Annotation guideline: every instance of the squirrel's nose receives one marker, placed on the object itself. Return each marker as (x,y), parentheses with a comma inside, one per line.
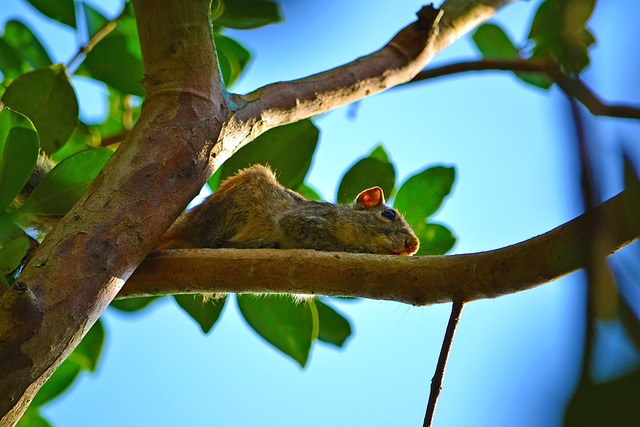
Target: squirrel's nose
(411,245)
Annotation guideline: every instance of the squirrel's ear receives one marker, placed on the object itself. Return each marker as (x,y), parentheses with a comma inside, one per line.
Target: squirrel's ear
(371,198)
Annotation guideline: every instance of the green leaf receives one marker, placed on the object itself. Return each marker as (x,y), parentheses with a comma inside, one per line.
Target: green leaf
(559,32)
(308,192)
(20,50)
(11,254)
(366,173)
(117,59)
(288,150)
(18,153)
(66,183)
(204,309)
(334,328)
(32,418)
(46,97)
(94,20)
(63,11)
(88,351)
(493,42)
(379,153)
(244,14)
(614,403)
(61,379)
(286,324)
(232,58)
(435,239)
(422,194)
(131,305)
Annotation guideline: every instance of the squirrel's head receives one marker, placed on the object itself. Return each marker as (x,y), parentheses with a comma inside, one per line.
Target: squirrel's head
(390,233)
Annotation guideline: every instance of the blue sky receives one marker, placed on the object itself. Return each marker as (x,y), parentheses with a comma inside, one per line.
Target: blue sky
(515,179)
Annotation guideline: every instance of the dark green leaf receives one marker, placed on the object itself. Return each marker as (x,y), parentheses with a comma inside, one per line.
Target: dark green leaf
(204,309)
(66,183)
(286,324)
(46,97)
(308,192)
(11,254)
(130,305)
(232,58)
(379,153)
(366,173)
(244,14)
(288,150)
(32,418)
(61,379)
(18,153)
(117,59)
(422,194)
(88,351)
(334,328)
(630,321)
(435,239)
(63,11)
(83,138)
(94,20)
(493,42)
(614,403)
(20,50)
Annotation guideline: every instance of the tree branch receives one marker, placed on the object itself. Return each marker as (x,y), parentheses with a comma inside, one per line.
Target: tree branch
(573,87)
(416,280)
(395,63)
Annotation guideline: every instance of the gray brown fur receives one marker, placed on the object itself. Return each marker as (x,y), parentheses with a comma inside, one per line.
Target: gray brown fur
(252,210)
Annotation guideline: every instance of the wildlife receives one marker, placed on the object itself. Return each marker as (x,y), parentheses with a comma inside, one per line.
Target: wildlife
(253,210)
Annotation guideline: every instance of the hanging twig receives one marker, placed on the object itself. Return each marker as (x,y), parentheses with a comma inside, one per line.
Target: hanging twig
(436,381)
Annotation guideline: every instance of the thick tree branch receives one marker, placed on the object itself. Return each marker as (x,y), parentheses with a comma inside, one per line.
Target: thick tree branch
(158,169)
(397,62)
(573,87)
(416,280)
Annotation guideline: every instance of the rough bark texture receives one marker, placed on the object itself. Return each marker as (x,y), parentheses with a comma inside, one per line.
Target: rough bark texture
(415,280)
(183,134)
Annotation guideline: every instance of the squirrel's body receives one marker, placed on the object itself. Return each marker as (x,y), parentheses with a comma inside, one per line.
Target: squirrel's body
(252,210)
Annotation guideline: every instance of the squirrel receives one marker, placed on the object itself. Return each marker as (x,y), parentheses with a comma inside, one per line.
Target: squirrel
(253,210)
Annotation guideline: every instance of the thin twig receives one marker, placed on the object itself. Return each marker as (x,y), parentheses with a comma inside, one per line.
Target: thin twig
(573,87)
(438,377)
(97,37)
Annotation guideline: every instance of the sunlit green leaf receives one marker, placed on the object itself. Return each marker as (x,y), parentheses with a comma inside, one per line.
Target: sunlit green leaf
(63,11)
(244,14)
(422,194)
(94,20)
(117,59)
(18,153)
(88,351)
(11,254)
(366,173)
(493,42)
(132,305)
(61,379)
(334,328)
(232,58)
(20,50)
(46,97)
(286,324)
(64,185)
(308,192)
(32,418)
(435,239)
(205,310)
(288,150)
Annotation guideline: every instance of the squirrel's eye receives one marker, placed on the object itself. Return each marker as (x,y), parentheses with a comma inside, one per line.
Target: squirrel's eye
(389,214)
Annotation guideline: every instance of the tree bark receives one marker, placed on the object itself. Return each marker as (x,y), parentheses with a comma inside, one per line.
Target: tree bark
(416,280)
(186,130)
